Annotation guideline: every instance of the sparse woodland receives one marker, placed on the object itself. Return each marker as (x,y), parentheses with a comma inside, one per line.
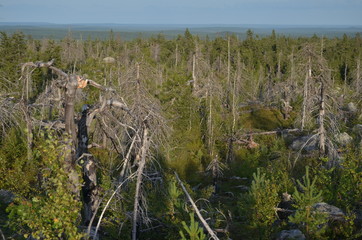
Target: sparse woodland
(187,138)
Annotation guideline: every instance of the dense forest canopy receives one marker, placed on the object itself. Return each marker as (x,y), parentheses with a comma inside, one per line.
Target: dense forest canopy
(186,138)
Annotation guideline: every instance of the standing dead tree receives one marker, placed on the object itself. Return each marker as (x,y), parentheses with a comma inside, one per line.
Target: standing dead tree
(133,131)
(77,140)
(130,131)
(318,100)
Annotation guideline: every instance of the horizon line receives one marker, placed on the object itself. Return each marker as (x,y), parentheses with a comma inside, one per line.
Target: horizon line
(188,24)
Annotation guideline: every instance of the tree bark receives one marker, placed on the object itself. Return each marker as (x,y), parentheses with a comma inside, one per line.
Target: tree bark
(345,78)
(70,129)
(141,166)
(305,93)
(358,75)
(194,72)
(89,170)
(322,131)
(279,72)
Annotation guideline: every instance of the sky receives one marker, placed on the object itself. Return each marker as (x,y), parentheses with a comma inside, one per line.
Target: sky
(273,12)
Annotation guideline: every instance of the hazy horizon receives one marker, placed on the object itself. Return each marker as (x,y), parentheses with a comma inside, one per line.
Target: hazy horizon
(181,24)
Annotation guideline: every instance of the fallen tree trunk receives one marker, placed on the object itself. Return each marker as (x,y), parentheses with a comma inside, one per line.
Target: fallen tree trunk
(271,132)
(141,166)
(203,221)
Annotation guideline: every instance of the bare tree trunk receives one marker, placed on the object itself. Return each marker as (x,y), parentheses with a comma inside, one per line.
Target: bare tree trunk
(176,53)
(292,70)
(305,96)
(233,99)
(358,75)
(71,88)
(194,72)
(126,162)
(70,129)
(25,108)
(29,130)
(322,131)
(210,127)
(322,46)
(305,93)
(345,78)
(279,72)
(141,166)
(228,74)
(230,152)
(90,187)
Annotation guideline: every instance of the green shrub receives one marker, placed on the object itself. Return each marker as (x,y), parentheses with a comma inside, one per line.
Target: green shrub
(193,230)
(258,205)
(53,213)
(312,222)
(17,174)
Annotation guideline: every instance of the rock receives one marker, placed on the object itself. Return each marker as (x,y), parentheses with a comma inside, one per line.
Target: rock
(308,143)
(343,139)
(351,107)
(294,234)
(109,60)
(333,212)
(6,197)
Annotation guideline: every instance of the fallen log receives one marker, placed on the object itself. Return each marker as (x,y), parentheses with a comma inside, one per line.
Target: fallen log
(203,221)
(282,131)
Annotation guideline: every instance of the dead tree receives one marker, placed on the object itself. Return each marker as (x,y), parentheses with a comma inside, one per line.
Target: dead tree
(77,140)
(358,75)
(321,117)
(318,101)
(130,130)
(141,159)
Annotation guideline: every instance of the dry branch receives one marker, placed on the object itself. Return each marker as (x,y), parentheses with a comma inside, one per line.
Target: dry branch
(105,207)
(207,227)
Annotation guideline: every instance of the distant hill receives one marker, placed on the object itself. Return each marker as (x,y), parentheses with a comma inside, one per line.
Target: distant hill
(132,31)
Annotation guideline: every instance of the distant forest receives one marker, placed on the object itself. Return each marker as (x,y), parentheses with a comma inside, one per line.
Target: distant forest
(189,137)
(129,32)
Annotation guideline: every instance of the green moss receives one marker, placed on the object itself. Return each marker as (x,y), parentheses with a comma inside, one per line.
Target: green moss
(266,119)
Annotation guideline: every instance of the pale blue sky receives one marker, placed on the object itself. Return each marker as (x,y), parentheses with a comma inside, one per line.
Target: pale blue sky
(285,12)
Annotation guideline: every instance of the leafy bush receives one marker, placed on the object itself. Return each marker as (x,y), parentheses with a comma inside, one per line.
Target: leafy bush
(53,213)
